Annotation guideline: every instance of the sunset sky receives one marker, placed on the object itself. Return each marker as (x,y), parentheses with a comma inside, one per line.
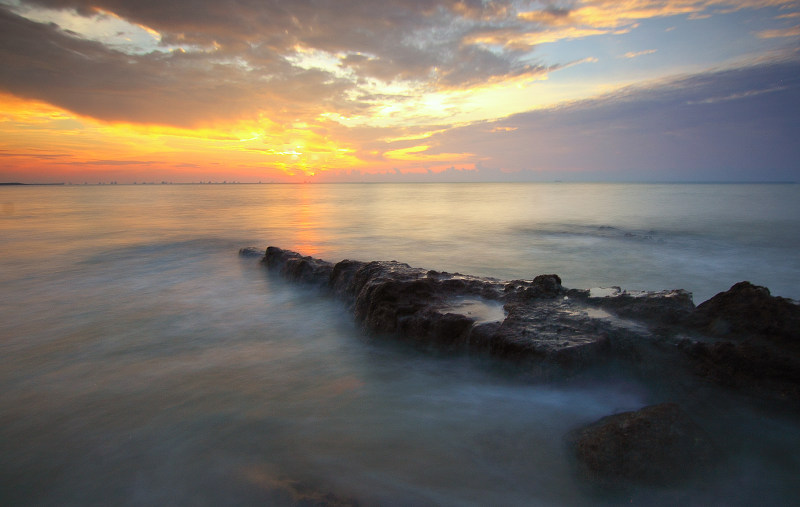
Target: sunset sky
(399,90)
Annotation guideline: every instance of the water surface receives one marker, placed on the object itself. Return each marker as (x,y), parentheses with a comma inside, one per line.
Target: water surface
(143,362)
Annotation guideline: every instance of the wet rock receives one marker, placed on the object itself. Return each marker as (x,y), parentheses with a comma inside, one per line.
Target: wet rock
(746,366)
(571,329)
(658,445)
(251,251)
(664,308)
(296,267)
(541,320)
(748,340)
(747,311)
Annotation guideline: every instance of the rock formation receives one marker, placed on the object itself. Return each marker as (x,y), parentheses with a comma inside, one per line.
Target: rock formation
(657,445)
(742,339)
(537,320)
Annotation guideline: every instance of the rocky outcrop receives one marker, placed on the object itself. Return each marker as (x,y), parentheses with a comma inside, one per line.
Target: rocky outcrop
(743,336)
(747,311)
(537,320)
(657,445)
(749,340)
(742,340)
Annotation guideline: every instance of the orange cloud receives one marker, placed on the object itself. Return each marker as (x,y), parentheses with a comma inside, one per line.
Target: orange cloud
(595,17)
(420,154)
(39,141)
(779,33)
(635,54)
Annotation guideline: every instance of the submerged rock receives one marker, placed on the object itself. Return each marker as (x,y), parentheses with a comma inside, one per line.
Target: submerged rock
(658,445)
(250,251)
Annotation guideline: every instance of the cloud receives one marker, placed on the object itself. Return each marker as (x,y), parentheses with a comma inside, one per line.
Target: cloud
(737,96)
(722,125)
(218,62)
(635,54)
(778,33)
(595,17)
(408,38)
(180,89)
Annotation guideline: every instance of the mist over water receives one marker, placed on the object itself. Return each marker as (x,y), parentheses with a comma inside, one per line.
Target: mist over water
(142,362)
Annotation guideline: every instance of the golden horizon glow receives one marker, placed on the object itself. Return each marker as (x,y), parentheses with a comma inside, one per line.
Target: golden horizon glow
(253,150)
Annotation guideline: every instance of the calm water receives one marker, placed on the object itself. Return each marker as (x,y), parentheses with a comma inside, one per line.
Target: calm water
(143,362)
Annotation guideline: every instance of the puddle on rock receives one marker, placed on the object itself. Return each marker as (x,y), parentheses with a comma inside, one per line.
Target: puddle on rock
(478,309)
(604,292)
(597,313)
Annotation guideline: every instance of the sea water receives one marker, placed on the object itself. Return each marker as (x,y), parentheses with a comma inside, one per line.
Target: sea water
(142,362)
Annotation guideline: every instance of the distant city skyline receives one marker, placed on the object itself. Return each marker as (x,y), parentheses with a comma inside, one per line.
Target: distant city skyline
(403,90)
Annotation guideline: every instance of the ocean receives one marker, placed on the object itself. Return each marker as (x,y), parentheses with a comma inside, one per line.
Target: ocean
(143,362)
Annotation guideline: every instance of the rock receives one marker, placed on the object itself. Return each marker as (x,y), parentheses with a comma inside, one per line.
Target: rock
(251,251)
(746,366)
(296,267)
(757,345)
(747,311)
(542,321)
(664,308)
(570,330)
(658,445)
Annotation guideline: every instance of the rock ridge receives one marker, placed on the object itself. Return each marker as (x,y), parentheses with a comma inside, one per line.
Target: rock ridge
(743,337)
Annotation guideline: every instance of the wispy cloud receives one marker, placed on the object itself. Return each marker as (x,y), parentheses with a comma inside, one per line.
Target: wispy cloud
(778,33)
(635,54)
(736,96)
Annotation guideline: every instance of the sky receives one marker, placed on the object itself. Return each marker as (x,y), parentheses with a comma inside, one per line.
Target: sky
(399,90)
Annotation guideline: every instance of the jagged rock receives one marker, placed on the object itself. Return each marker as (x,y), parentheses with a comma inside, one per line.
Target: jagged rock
(294,266)
(571,329)
(541,320)
(657,445)
(664,308)
(747,311)
(746,366)
(757,345)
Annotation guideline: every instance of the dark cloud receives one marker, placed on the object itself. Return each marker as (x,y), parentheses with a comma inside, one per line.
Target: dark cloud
(422,41)
(175,88)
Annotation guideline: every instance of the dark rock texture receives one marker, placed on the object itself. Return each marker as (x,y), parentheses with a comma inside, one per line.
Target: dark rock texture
(743,337)
(749,340)
(540,320)
(749,311)
(656,445)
